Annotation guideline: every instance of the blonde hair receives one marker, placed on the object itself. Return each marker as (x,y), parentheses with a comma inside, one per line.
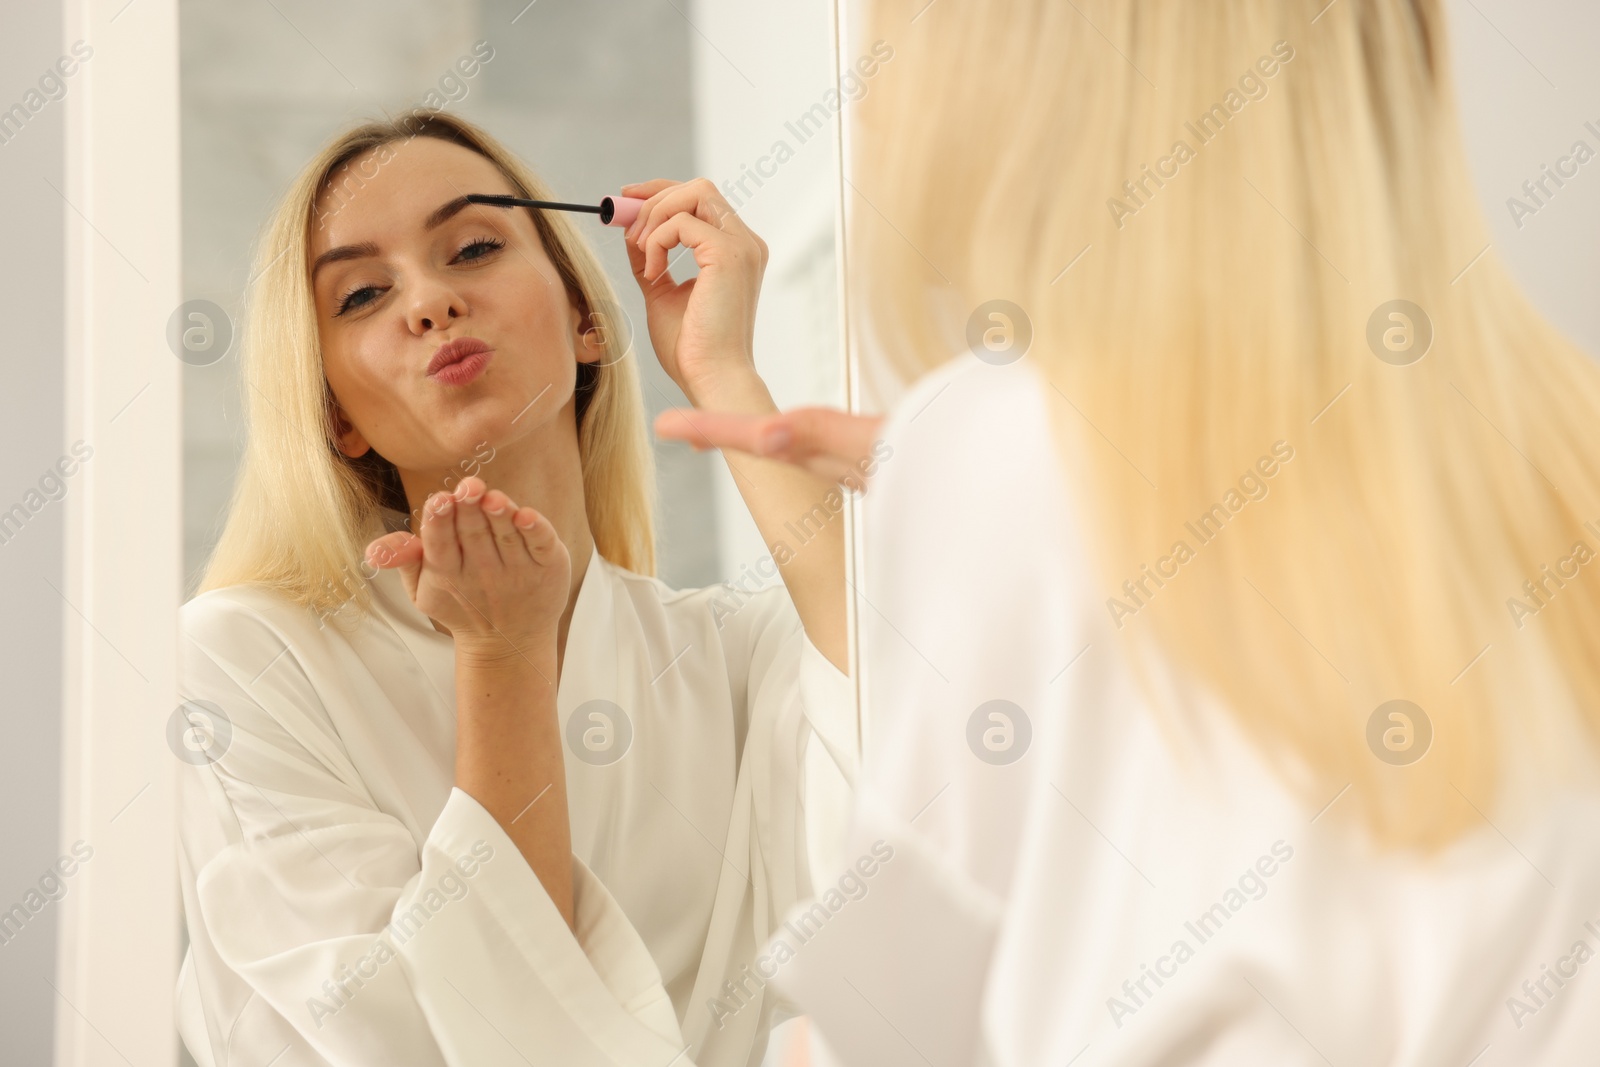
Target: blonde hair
(301,511)
(1195,313)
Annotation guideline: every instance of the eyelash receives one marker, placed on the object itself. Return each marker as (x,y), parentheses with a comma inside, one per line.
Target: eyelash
(491,244)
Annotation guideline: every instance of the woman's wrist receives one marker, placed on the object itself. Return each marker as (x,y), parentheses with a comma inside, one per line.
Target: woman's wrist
(737,391)
(502,653)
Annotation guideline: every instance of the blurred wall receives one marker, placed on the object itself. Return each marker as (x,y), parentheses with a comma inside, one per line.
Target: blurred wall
(767,137)
(32,425)
(1530,88)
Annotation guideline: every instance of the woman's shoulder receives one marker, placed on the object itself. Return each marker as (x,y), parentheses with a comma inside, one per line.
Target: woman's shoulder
(218,619)
(969,403)
(970,473)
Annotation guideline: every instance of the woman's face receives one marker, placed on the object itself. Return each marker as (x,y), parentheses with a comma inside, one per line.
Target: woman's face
(444,325)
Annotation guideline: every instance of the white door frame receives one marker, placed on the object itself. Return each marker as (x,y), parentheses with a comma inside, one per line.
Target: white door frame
(119,920)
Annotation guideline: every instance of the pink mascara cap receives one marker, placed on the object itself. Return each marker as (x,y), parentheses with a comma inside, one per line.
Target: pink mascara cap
(619,210)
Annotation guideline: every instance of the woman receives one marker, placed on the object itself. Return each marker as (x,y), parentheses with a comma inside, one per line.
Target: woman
(1232,682)
(477,789)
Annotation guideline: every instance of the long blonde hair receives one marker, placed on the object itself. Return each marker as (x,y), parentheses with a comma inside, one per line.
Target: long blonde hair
(301,511)
(1198,309)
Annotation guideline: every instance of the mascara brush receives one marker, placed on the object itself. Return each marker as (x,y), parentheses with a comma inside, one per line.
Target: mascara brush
(613,210)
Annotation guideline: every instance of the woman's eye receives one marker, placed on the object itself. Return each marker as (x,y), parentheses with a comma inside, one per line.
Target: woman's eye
(478,249)
(361,296)
(357,298)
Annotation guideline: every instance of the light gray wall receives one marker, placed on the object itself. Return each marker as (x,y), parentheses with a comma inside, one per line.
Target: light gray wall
(1528,83)
(32,424)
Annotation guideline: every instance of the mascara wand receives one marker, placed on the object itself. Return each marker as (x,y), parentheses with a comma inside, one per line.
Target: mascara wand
(613,210)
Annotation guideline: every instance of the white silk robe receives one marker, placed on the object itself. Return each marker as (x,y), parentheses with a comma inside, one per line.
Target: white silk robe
(346,905)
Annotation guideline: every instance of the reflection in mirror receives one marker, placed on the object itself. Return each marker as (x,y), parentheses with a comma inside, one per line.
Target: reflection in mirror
(509,731)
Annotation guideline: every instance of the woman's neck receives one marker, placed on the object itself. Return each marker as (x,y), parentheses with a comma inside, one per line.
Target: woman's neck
(541,470)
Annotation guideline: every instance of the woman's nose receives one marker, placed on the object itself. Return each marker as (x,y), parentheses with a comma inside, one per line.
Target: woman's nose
(434,307)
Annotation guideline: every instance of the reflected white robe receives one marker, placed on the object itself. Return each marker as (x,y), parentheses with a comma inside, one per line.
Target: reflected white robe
(331,813)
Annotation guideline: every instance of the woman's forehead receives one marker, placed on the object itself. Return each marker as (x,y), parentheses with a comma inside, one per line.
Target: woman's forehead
(394,188)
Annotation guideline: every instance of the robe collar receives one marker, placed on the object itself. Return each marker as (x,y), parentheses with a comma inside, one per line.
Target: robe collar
(589,670)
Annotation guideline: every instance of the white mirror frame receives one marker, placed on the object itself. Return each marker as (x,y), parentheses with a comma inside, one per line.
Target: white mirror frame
(120,920)
(117,954)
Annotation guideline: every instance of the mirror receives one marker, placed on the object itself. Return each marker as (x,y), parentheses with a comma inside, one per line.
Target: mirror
(592,96)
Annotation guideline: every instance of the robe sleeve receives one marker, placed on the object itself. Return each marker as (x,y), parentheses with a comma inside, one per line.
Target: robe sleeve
(832,760)
(316,922)
(798,754)
(803,754)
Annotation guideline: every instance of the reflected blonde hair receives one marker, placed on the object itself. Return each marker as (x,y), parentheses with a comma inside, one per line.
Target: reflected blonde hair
(1223,307)
(302,511)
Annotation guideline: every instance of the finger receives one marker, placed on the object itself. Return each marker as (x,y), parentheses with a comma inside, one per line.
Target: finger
(472,526)
(499,509)
(709,245)
(399,550)
(651,193)
(827,442)
(792,436)
(636,261)
(645,190)
(714,429)
(440,548)
(538,535)
(699,198)
(820,431)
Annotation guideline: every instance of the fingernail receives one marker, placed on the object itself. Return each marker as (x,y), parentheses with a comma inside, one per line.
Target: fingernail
(495,509)
(776,439)
(446,502)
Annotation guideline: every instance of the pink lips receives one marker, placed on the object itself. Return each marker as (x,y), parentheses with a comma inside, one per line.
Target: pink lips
(460,361)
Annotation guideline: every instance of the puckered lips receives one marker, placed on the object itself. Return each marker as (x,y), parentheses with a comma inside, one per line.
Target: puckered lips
(460,361)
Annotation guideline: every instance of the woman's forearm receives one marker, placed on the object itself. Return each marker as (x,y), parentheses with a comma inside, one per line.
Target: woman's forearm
(791,508)
(509,759)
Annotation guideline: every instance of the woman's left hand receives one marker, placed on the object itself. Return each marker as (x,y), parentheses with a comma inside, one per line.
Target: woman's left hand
(703,329)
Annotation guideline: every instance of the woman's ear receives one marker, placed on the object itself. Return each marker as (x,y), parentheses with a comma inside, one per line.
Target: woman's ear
(346,437)
(591,338)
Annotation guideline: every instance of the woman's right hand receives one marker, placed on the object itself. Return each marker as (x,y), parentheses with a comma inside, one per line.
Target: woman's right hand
(492,573)
(837,445)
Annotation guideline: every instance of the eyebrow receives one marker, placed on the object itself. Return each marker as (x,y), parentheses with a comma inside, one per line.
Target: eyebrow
(441,215)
